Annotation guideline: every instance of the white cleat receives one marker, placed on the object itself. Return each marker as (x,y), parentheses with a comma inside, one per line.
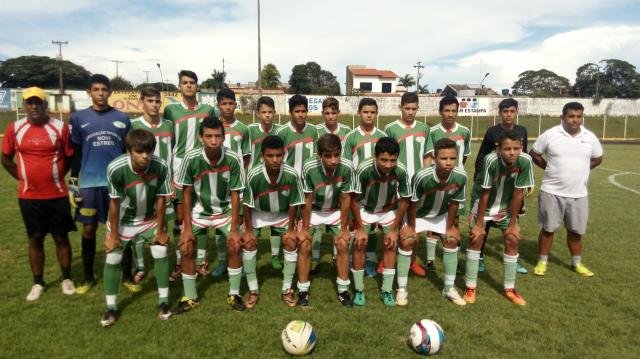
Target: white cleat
(402,297)
(35,293)
(454,296)
(67,287)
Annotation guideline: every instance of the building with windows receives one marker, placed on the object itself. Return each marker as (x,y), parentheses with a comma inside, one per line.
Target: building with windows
(364,80)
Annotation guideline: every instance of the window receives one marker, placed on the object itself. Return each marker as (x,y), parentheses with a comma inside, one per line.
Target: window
(365,86)
(386,87)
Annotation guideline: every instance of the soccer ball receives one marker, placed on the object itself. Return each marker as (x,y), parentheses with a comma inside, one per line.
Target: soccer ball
(426,337)
(298,338)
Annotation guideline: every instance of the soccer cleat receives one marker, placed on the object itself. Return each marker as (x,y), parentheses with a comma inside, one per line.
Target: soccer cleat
(164,312)
(132,287)
(453,295)
(220,270)
(469,295)
(67,287)
(540,268)
(380,268)
(460,268)
(359,299)
(203,268)
(314,267)
(370,269)
(289,298)
(252,300)
(419,270)
(303,299)
(109,318)
(139,276)
(186,305)
(235,301)
(176,273)
(402,297)
(36,292)
(85,286)
(514,296)
(387,299)
(276,262)
(431,266)
(521,269)
(583,270)
(345,299)
(481,265)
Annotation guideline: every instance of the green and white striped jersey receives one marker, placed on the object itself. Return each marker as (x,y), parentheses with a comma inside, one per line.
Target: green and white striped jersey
(163,132)
(237,138)
(433,195)
(378,194)
(341,131)
(298,146)
(137,191)
(412,140)
(261,194)
(212,182)
(502,180)
(460,134)
(359,145)
(257,134)
(186,125)
(326,188)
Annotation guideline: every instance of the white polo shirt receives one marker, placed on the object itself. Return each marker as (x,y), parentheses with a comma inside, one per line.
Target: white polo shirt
(568,160)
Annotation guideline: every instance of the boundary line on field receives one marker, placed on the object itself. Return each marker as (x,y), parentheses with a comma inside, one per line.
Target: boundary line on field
(612,180)
(619,171)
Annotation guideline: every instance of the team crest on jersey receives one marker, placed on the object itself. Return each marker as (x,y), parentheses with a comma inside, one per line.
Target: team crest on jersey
(285,192)
(309,146)
(237,138)
(225,175)
(119,124)
(164,140)
(420,139)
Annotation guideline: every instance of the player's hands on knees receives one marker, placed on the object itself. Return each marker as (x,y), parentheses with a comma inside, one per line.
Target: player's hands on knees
(235,239)
(360,237)
(290,238)
(344,236)
(513,231)
(111,242)
(248,238)
(452,234)
(477,233)
(161,239)
(390,239)
(407,233)
(303,235)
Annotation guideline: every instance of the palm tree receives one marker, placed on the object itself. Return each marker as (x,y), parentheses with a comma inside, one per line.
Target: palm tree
(422,89)
(407,81)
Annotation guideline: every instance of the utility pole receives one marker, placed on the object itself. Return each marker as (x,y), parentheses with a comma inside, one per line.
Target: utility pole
(418,66)
(60,43)
(259,55)
(117,62)
(161,77)
(147,72)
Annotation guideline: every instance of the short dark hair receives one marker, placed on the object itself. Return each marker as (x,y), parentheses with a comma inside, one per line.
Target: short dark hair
(267,101)
(511,135)
(188,73)
(448,100)
(149,91)
(576,106)
(297,100)
(409,97)
(225,93)
(367,101)
(388,145)
(444,144)
(506,103)
(272,142)
(211,122)
(99,79)
(331,103)
(328,143)
(139,139)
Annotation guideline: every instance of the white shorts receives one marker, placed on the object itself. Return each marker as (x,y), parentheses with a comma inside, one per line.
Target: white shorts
(385,219)
(261,219)
(319,218)
(436,224)
(127,233)
(214,221)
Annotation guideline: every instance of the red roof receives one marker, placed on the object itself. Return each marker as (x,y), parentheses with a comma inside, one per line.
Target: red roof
(373,72)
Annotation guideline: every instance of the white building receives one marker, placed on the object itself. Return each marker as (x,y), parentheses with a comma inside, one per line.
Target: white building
(361,79)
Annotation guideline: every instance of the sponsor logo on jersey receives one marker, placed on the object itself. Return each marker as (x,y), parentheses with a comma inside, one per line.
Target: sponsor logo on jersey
(119,124)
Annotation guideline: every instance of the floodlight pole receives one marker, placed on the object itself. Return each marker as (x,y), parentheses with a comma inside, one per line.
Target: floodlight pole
(60,43)
(147,72)
(259,55)
(484,78)
(161,77)
(418,66)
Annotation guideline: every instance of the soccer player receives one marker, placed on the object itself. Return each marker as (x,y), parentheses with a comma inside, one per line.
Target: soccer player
(508,112)
(382,186)
(437,192)
(327,188)
(44,150)
(412,137)
(162,129)
(211,178)
(271,198)
(359,145)
(139,185)
(571,152)
(497,197)
(266,110)
(186,117)
(97,134)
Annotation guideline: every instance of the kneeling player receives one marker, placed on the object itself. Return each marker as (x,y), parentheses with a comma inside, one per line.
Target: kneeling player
(497,196)
(378,182)
(139,184)
(327,186)
(437,193)
(271,198)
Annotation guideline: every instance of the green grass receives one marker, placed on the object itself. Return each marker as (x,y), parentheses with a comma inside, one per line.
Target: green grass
(566,315)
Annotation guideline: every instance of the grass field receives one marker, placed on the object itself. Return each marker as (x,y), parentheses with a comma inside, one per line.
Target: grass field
(566,315)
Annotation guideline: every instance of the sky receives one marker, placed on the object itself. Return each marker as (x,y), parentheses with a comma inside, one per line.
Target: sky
(458,42)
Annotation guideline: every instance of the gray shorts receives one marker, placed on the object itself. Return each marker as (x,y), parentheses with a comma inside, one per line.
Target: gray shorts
(554,210)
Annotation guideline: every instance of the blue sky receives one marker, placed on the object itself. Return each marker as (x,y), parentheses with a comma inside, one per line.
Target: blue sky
(458,41)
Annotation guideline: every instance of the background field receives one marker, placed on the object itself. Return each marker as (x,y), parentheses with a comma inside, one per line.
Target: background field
(566,315)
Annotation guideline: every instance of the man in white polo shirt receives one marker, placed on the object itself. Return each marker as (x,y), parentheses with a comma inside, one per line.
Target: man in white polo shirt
(571,152)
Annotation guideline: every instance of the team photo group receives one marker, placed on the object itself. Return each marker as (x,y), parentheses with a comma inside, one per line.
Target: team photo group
(171,181)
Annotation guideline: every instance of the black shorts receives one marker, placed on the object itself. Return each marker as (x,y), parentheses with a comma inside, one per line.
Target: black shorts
(94,205)
(42,216)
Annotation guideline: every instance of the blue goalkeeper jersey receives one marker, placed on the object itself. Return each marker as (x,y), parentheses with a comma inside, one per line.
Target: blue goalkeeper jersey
(101,137)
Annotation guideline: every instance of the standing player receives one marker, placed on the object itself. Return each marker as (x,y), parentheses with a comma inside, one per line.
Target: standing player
(271,198)
(437,193)
(186,117)
(382,185)
(266,110)
(98,136)
(497,197)
(211,179)
(139,185)
(44,150)
(359,145)
(571,152)
(327,187)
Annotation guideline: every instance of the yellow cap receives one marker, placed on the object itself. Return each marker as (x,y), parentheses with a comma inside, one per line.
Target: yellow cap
(34,92)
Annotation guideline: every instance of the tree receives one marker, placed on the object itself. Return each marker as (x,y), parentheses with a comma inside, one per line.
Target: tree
(158,86)
(270,76)
(609,78)
(541,83)
(119,83)
(216,81)
(407,81)
(310,78)
(423,89)
(42,71)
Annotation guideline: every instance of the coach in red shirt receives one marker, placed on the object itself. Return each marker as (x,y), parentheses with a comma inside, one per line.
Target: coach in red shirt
(36,151)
